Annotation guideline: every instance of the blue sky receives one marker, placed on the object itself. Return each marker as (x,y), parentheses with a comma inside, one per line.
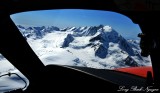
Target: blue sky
(77,17)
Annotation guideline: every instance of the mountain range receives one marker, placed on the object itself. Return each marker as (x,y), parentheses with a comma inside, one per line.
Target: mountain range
(92,46)
(98,47)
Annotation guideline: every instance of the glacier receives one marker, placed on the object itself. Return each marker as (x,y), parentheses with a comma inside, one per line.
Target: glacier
(91,46)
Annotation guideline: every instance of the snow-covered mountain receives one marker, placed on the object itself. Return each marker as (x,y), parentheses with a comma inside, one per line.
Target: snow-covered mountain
(98,47)
(36,32)
(95,46)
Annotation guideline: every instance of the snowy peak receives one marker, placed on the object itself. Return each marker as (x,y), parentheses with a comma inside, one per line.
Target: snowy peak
(90,31)
(36,32)
(40,31)
(20,27)
(110,35)
(107,28)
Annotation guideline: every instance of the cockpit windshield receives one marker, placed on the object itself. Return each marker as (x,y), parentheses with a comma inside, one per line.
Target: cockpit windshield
(76,37)
(87,38)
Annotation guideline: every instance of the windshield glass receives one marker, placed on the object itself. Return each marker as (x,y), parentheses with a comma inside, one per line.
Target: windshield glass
(87,38)
(10,78)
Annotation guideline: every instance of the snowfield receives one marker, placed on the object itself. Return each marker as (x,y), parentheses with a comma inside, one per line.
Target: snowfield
(98,47)
(8,83)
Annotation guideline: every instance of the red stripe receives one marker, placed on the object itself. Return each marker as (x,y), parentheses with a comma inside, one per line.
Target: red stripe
(140,71)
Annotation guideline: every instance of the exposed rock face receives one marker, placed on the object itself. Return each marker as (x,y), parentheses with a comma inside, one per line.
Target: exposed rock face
(130,62)
(67,40)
